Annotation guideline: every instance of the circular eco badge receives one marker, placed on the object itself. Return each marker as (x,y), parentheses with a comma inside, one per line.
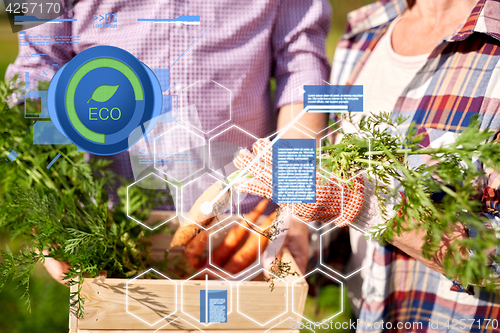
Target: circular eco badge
(104,100)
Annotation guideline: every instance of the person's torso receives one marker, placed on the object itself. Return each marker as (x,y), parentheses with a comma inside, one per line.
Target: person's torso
(384,77)
(212,65)
(458,80)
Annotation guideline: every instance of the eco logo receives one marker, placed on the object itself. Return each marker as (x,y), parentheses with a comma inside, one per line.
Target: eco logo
(104,99)
(103,93)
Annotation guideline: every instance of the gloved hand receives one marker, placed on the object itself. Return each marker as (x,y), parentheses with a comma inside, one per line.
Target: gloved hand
(334,199)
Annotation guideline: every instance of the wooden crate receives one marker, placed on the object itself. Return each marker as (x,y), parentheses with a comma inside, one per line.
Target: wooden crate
(152,300)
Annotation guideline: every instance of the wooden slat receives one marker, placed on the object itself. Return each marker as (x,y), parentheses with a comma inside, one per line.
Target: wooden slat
(151,300)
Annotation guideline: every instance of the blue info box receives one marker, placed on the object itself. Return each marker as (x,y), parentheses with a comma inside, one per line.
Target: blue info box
(294,171)
(213,306)
(338,98)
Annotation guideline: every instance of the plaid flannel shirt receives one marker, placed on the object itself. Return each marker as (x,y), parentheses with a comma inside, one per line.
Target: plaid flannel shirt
(459,79)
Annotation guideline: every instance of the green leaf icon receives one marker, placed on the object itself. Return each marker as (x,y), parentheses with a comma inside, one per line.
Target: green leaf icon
(103,93)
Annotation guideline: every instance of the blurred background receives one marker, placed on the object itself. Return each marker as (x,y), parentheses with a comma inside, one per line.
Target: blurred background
(50,300)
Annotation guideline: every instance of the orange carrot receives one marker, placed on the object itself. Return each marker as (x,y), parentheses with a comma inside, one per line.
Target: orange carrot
(195,249)
(248,253)
(185,234)
(257,211)
(236,235)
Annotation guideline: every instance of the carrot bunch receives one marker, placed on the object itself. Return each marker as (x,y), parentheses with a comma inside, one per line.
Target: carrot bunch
(233,260)
(238,250)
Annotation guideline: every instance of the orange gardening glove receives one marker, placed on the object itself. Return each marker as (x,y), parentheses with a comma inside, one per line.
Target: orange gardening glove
(335,201)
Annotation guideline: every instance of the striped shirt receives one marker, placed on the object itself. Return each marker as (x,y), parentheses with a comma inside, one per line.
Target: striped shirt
(459,79)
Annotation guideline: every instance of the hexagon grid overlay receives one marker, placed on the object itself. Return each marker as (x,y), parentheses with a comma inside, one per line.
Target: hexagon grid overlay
(220,284)
(153,182)
(319,271)
(179,153)
(214,110)
(272,303)
(175,158)
(283,132)
(224,147)
(345,275)
(134,295)
(289,320)
(240,196)
(178,319)
(300,90)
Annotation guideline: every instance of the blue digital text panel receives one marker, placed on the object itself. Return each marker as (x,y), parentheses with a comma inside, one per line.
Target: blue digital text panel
(334,98)
(213,306)
(294,171)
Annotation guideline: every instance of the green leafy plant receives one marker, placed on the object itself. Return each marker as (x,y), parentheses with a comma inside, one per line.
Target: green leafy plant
(451,170)
(66,211)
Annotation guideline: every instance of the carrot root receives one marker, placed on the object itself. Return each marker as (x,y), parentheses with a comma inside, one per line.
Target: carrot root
(186,233)
(195,249)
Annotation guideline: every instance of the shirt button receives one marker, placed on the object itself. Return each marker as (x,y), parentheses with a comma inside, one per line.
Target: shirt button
(178,88)
(178,24)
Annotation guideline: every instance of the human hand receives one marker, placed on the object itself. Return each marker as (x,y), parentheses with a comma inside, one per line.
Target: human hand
(56,268)
(335,201)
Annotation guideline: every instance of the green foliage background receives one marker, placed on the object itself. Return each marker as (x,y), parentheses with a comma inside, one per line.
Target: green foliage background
(50,300)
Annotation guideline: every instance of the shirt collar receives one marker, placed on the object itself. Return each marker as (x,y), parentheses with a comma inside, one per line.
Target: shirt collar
(373,15)
(484,18)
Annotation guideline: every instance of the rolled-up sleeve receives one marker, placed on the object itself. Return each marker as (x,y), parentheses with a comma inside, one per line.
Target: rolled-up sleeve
(38,58)
(298,45)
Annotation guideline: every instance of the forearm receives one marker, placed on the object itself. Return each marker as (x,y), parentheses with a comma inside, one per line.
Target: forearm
(412,242)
